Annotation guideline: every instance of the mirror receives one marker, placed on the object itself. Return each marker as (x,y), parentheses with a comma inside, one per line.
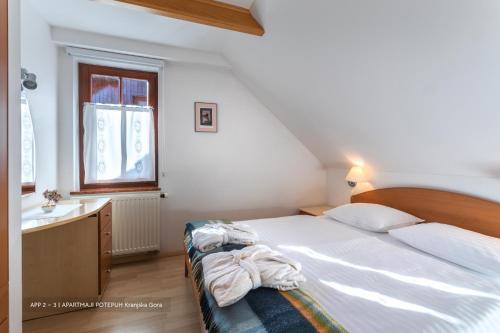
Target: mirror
(28,160)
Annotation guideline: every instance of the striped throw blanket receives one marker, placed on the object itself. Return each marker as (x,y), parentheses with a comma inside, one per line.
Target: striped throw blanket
(261,310)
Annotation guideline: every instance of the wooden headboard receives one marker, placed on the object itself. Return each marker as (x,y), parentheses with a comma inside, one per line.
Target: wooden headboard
(456,209)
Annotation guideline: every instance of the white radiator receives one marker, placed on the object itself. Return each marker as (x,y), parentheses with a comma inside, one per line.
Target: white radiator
(136,222)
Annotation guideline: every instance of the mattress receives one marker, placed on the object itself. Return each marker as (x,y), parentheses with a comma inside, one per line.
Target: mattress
(370,282)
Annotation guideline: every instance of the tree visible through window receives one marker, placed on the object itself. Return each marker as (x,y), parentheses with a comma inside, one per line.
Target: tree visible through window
(118,128)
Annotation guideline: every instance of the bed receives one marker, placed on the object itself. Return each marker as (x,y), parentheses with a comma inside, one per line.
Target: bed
(371,282)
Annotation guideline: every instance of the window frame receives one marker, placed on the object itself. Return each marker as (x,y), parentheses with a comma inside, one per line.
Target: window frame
(28,188)
(85,72)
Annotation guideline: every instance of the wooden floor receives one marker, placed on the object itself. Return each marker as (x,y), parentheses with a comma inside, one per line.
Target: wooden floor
(159,279)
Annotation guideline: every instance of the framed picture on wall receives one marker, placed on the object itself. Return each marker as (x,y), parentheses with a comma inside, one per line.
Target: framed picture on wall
(205,117)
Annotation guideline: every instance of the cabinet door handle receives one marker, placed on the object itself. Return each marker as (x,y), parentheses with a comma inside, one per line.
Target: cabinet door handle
(108,252)
(107,233)
(108,214)
(108,270)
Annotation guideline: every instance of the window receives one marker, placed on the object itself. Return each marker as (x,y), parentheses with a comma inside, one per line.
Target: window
(28,159)
(118,128)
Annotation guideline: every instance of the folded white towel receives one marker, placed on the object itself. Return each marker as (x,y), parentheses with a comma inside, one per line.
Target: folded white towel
(229,276)
(211,236)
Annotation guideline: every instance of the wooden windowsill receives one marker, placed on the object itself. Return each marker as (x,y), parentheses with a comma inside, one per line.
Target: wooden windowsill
(115,190)
(28,189)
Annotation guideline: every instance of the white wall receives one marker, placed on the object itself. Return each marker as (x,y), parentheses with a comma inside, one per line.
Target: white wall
(38,55)
(15,248)
(253,167)
(409,86)
(67,124)
(483,187)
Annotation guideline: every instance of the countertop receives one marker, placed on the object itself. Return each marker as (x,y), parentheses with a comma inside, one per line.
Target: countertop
(88,207)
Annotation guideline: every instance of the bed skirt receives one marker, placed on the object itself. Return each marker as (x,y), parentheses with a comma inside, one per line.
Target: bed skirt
(261,310)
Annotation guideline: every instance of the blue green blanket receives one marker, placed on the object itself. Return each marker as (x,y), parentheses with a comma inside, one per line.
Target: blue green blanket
(262,309)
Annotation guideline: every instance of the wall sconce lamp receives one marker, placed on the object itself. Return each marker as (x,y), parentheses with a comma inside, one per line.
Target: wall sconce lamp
(28,80)
(355,175)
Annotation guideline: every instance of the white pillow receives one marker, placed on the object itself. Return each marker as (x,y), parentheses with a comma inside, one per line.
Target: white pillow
(372,217)
(470,249)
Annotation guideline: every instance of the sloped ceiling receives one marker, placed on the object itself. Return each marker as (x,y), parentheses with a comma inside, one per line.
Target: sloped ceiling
(405,85)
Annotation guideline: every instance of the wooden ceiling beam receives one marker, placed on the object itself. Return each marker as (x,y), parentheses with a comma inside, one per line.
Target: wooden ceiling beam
(208,12)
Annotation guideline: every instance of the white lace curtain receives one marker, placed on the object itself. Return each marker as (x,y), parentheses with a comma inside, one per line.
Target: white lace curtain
(28,160)
(118,143)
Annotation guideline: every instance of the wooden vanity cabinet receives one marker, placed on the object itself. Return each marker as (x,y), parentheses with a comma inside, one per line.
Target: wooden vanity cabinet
(67,260)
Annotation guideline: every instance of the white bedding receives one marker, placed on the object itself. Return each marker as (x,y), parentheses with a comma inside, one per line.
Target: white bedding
(371,282)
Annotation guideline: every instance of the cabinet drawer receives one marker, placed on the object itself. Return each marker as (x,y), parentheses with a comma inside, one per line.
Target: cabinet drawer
(106,247)
(106,260)
(106,234)
(105,271)
(104,280)
(105,216)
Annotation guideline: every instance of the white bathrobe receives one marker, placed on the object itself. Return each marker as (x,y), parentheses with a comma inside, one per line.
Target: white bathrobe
(229,276)
(211,236)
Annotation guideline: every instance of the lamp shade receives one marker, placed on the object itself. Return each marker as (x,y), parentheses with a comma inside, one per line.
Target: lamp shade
(356,175)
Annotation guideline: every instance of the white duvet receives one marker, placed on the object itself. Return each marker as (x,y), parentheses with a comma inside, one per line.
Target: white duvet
(370,282)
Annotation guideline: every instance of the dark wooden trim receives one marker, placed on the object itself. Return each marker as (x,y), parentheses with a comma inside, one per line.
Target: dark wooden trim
(4,171)
(116,190)
(85,71)
(28,188)
(208,12)
(118,186)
